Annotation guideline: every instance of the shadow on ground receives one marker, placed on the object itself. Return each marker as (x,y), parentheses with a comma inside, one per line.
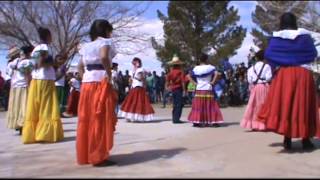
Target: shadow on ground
(144,156)
(226,124)
(69,122)
(67,139)
(69,130)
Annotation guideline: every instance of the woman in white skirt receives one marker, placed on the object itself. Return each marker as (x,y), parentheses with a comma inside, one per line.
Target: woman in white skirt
(21,76)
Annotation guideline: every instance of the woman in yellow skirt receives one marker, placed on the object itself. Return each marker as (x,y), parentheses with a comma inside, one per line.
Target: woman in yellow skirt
(21,76)
(42,123)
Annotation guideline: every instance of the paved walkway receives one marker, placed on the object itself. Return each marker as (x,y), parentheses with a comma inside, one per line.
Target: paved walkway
(161,150)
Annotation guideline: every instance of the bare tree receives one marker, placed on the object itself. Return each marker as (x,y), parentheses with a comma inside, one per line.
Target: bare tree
(311,19)
(69,22)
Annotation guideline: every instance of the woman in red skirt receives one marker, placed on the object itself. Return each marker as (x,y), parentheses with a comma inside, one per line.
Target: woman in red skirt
(291,105)
(136,107)
(73,99)
(205,110)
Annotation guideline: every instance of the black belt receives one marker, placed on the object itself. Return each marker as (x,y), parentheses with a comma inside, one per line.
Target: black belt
(91,67)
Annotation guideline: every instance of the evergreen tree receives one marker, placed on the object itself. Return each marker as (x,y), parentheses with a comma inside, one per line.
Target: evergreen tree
(193,27)
(267,14)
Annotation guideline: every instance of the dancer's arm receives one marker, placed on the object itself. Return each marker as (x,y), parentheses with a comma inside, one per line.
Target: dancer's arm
(191,79)
(81,68)
(104,55)
(215,78)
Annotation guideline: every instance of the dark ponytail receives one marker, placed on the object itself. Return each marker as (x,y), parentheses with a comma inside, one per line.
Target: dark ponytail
(44,33)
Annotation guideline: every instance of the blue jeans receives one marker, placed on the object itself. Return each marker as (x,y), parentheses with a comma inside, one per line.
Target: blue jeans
(150,93)
(166,94)
(177,105)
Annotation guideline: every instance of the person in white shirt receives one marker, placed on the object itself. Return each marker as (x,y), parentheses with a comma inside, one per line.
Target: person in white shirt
(96,110)
(14,53)
(205,110)
(20,77)
(61,91)
(115,82)
(42,122)
(291,108)
(136,107)
(259,76)
(73,100)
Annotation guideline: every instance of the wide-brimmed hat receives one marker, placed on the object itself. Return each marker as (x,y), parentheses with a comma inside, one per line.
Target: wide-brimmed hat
(13,51)
(175,61)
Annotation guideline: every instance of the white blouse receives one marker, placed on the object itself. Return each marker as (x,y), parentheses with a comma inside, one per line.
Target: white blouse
(19,78)
(43,73)
(137,74)
(61,82)
(203,83)
(75,84)
(90,53)
(254,71)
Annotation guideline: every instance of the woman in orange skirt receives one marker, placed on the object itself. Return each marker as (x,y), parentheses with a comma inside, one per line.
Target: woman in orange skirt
(97,118)
(291,105)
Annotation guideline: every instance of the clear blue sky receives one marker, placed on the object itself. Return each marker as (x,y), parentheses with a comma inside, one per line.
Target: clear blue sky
(245,9)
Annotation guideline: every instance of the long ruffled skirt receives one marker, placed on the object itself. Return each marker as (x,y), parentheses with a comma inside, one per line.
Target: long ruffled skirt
(96,123)
(73,101)
(258,95)
(205,110)
(290,108)
(17,107)
(42,123)
(136,106)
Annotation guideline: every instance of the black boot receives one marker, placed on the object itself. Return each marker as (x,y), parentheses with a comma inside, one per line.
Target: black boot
(307,144)
(196,125)
(287,143)
(20,131)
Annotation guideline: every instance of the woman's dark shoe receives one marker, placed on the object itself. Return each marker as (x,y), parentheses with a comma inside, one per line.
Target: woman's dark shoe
(307,144)
(178,122)
(287,143)
(196,125)
(216,125)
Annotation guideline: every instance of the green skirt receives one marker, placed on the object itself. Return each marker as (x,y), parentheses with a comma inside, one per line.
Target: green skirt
(62,97)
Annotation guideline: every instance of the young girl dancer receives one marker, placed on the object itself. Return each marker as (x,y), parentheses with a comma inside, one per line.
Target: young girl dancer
(21,77)
(205,110)
(136,107)
(42,123)
(259,76)
(96,116)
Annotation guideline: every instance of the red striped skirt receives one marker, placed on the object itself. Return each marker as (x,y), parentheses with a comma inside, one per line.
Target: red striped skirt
(291,105)
(205,110)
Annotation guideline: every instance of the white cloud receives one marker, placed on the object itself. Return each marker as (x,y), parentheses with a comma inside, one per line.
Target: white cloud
(243,51)
(152,27)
